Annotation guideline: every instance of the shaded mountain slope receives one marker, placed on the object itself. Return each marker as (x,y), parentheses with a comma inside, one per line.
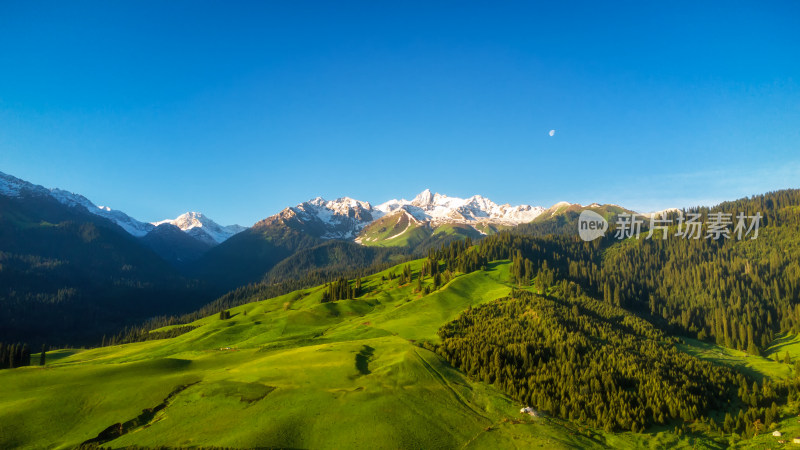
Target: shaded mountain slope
(68,276)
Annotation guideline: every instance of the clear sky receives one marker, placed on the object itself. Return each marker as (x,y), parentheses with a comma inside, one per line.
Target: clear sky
(238,109)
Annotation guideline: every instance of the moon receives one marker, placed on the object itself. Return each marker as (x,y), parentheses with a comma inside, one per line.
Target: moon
(552,132)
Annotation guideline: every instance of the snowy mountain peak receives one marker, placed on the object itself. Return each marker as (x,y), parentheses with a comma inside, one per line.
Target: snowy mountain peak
(319,201)
(187,221)
(346,218)
(342,218)
(193,223)
(425,198)
(203,228)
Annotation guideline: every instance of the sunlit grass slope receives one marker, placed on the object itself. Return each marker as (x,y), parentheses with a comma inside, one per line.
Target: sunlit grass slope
(757,367)
(769,365)
(399,229)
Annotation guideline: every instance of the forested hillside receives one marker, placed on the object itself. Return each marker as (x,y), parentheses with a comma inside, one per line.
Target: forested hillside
(738,293)
(67,276)
(585,360)
(248,256)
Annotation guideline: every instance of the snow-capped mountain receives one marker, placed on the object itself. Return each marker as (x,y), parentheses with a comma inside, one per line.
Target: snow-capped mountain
(193,223)
(342,218)
(345,218)
(14,187)
(202,228)
(438,208)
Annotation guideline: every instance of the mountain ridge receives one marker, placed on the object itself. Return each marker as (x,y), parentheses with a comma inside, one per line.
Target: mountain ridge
(67,275)
(194,224)
(347,218)
(344,218)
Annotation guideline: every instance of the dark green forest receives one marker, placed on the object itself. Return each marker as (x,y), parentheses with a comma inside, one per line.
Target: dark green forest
(68,277)
(584,360)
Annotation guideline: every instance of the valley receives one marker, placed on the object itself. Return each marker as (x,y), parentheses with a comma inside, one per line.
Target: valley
(413,328)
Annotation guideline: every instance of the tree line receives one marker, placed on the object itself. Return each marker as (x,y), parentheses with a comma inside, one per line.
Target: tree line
(145,333)
(14,355)
(341,289)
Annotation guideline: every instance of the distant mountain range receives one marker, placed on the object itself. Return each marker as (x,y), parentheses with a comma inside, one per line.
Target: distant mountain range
(349,219)
(272,247)
(201,232)
(68,265)
(343,218)
(407,226)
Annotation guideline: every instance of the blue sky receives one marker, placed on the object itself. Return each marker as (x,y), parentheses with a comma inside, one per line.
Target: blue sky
(240,109)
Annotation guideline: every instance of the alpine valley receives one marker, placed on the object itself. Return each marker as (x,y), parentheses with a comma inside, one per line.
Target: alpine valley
(435,322)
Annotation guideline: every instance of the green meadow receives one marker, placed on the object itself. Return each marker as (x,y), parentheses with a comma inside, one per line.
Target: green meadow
(402,233)
(292,372)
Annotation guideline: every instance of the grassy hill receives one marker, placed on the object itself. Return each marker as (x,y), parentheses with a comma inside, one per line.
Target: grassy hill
(292,372)
(399,229)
